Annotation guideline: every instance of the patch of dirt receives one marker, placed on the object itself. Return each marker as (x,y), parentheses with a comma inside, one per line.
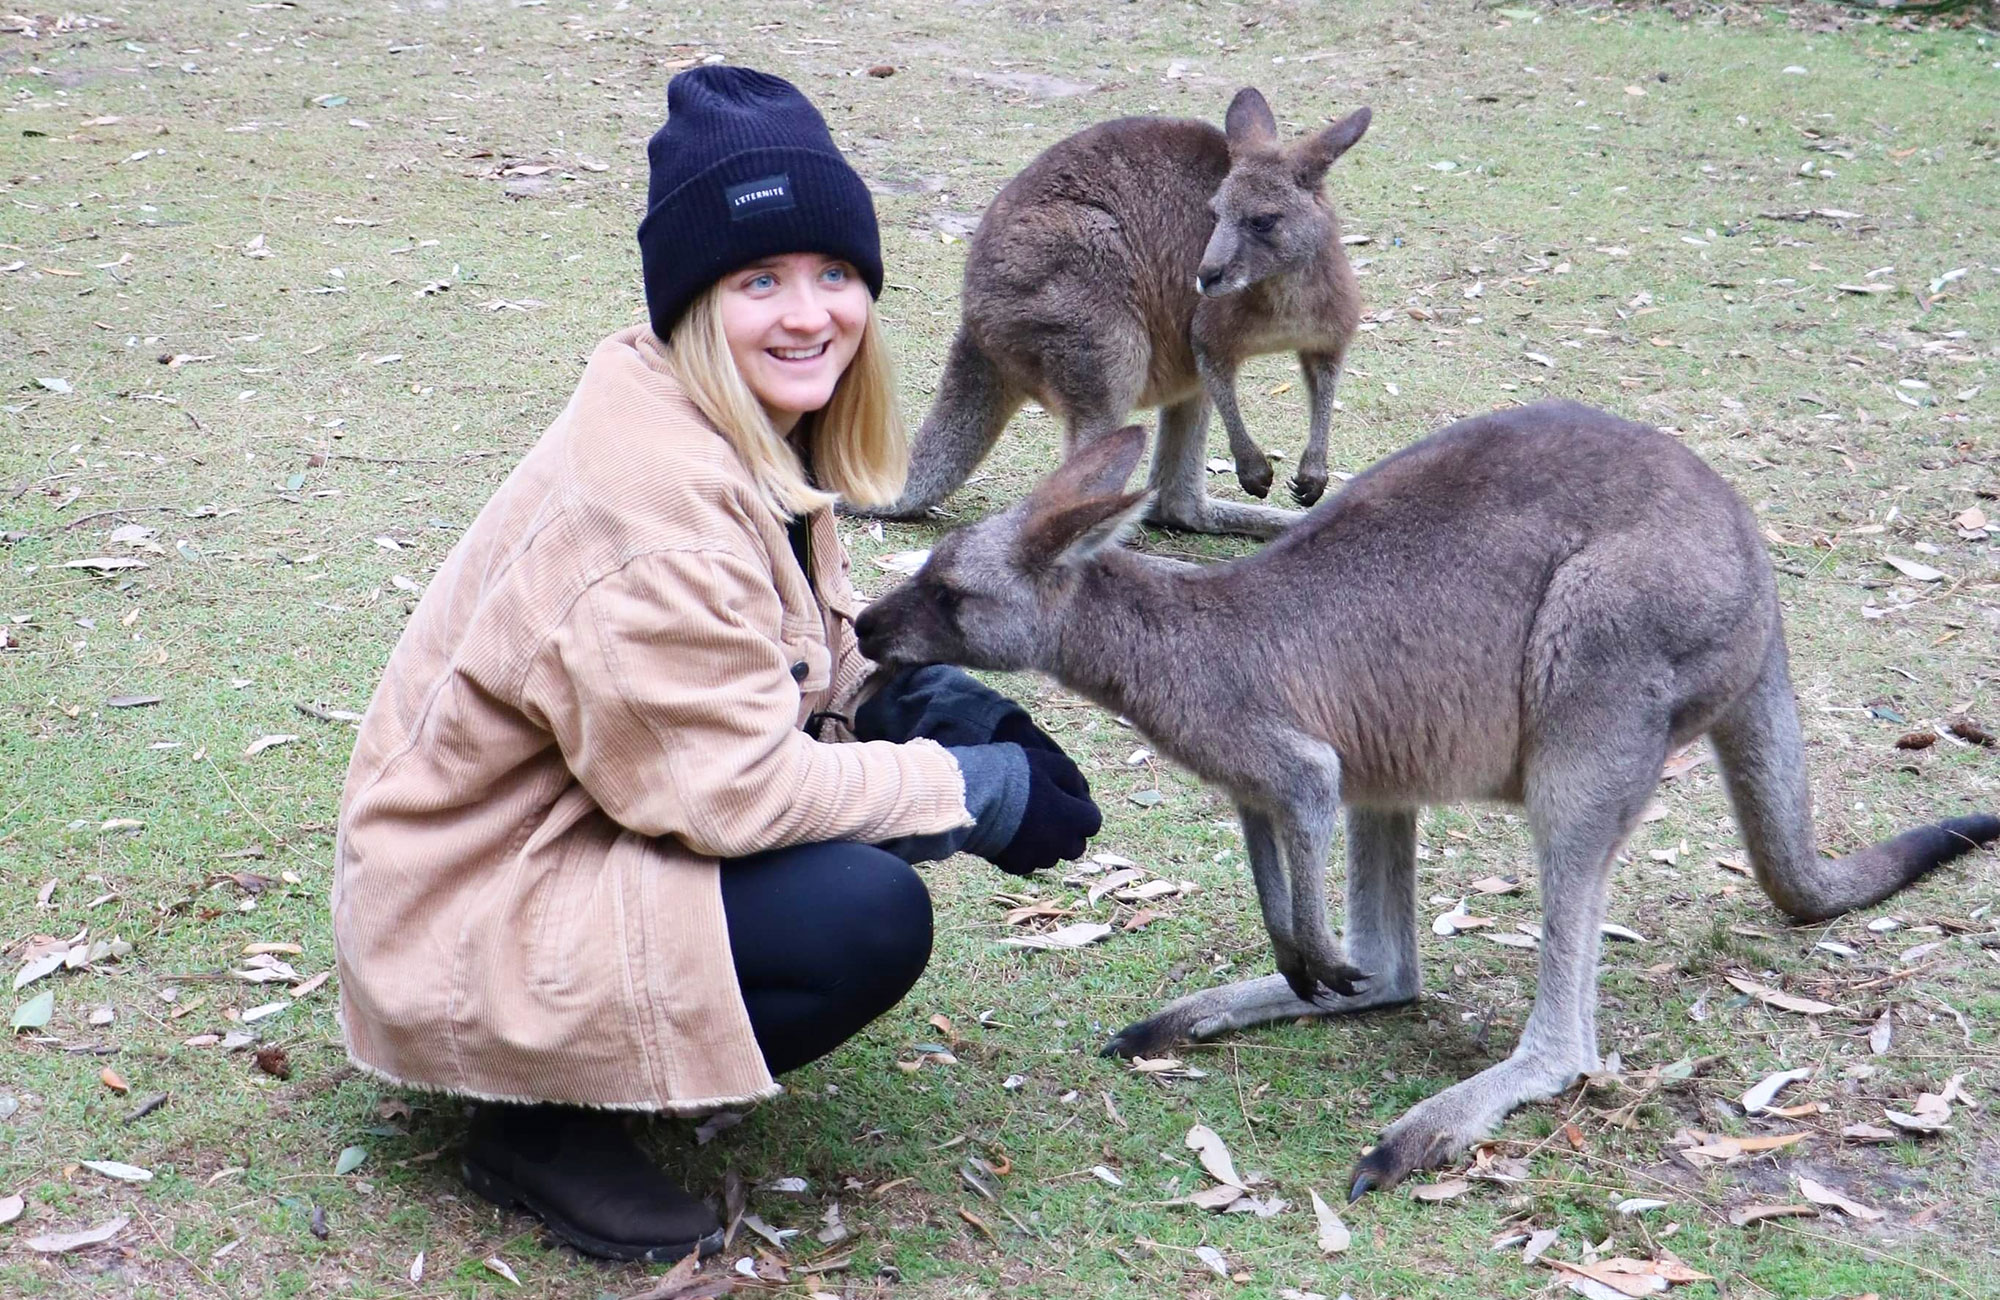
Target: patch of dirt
(1035,85)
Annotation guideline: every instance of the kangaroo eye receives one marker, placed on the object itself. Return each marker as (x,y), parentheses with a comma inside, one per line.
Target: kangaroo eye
(1263,222)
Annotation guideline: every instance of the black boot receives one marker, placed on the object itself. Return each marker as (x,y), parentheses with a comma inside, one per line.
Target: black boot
(580,1172)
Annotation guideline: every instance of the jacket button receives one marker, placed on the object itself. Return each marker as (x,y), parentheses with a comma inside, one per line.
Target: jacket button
(799,671)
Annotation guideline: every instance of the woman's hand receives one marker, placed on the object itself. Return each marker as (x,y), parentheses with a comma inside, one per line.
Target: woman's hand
(1060,816)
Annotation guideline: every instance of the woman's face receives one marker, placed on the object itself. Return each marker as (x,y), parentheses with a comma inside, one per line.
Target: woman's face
(793,323)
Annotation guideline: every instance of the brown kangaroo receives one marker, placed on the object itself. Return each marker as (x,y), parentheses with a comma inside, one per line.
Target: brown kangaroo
(1533,606)
(1139,263)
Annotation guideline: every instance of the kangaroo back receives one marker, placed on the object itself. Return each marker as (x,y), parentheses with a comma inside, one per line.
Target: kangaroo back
(1098,238)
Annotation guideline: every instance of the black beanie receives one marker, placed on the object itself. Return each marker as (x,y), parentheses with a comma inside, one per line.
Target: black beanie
(745,169)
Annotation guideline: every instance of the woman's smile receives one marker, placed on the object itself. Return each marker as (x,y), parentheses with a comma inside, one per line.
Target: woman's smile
(793,324)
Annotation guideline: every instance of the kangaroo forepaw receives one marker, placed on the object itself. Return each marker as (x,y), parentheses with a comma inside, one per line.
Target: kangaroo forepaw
(1255,474)
(1312,981)
(1308,487)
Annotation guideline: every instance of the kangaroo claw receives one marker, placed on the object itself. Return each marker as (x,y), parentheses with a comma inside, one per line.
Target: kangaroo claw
(1302,982)
(1307,490)
(1394,1157)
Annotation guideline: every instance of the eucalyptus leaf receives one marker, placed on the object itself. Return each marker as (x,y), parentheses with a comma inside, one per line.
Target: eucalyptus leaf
(36,1011)
(350,1160)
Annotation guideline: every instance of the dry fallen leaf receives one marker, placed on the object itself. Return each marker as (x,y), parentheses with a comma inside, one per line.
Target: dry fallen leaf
(123,1172)
(1219,1197)
(1671,1269)
(57,1242)
(1878,1037)
(903,562)
(1444,1190)
(263,743)
(1458,921)
(1930,1115)
(1750,1214)
(11,1208)
(1080,935)
(1617,1281)
(1761,1095)
(1820,1194)
(111,1079)
(1913,569)
(1214,1156)
(499,1265)
(1112,881)
(1780,999)
(1333,1234)
(1725,1149)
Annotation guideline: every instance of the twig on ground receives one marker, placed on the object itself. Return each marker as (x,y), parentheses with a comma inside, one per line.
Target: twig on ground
(1931,1273)
(459,459)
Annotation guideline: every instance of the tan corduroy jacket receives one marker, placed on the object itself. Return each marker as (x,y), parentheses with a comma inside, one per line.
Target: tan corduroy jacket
(601,693)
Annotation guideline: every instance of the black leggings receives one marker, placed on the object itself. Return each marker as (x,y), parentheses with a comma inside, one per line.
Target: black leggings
(825,937)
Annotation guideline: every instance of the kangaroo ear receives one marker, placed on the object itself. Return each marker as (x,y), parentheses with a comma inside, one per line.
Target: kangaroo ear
(1073,531)
(1249,125)
(1317,154)
(1100,467)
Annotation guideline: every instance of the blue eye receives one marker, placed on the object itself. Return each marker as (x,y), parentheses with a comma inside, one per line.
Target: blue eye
(835,273)
(762,281)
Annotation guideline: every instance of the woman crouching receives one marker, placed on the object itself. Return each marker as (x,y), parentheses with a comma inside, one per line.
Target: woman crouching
(618,834)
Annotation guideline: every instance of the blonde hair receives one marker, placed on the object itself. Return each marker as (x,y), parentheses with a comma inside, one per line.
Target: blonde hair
(860,451)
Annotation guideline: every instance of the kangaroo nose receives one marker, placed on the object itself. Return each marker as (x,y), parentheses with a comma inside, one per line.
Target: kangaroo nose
(1205,279)
(866,628)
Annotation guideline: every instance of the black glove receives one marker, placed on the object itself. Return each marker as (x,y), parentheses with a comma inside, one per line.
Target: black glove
(1018,728)
(941,703)
(1059,818)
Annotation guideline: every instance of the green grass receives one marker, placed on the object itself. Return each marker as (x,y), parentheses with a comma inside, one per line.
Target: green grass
(271,466)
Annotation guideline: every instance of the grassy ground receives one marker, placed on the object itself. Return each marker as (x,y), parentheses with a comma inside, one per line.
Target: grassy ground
(292,286)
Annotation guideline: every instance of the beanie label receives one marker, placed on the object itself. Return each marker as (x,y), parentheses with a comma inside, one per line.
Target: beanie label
(753,198)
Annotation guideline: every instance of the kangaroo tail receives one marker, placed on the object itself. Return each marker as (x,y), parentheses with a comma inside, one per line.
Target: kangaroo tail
(973,405)
(1763,765)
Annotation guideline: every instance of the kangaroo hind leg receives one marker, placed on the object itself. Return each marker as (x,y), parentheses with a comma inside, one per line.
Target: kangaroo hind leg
(1179,481)
(1586,786)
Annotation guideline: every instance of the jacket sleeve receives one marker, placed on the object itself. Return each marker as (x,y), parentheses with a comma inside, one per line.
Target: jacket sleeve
(668,687)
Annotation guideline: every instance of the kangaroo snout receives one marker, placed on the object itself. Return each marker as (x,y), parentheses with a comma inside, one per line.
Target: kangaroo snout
(872,632)
(1217,283)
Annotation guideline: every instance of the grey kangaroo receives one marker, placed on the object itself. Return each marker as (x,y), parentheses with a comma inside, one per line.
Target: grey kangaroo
(1534,606)
(1139,263)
